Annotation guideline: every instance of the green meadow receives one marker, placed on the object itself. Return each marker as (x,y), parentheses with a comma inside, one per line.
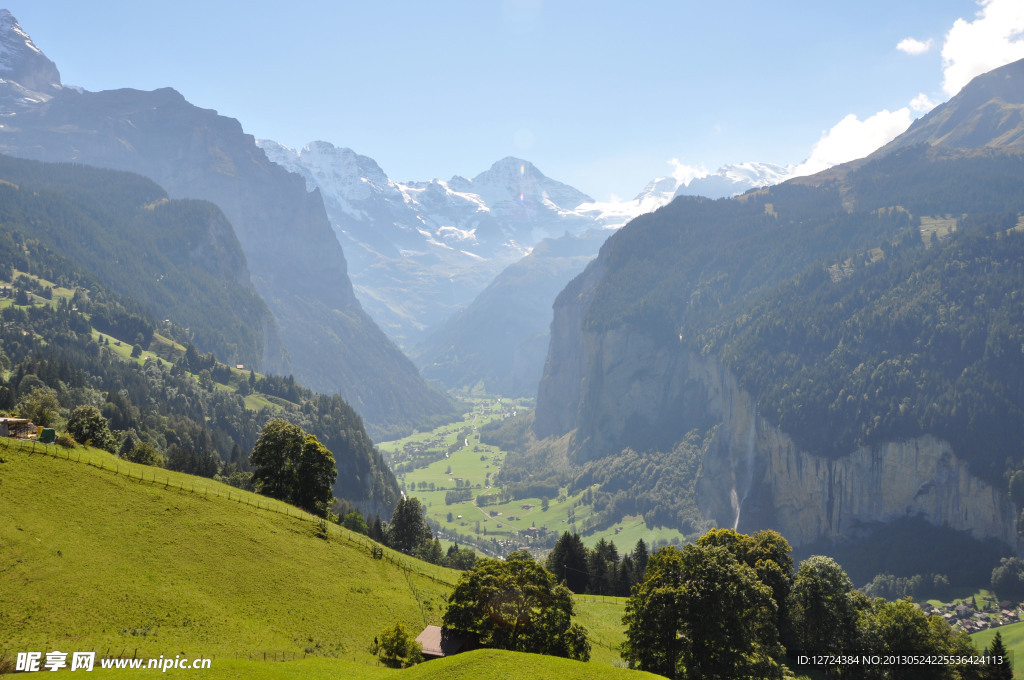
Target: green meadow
(127,560)
(451,458)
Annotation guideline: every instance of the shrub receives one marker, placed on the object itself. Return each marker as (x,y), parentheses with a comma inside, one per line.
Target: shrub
(66,440)
(145,453)
(397,647)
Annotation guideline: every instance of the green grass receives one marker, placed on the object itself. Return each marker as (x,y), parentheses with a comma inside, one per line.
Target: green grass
(95,560)
(602,617)
(936,228)
(1013,638)
(983,596)
(513,522)
(482,664)
(123,559)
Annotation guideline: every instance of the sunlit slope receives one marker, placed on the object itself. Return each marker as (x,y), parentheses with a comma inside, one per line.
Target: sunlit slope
(97,554)
(92,559)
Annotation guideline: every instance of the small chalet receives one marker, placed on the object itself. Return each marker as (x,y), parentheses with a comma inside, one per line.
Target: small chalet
(19,428)
(440,642)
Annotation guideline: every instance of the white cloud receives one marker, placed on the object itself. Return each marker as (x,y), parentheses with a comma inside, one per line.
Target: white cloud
(912,46)
(852,138)
(993,39)
(922,103)
(685,174)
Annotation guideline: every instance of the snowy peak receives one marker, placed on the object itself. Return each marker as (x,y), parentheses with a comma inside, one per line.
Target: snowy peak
(733,179)
(514,180)
(28,76)
(728,180)
(340,173)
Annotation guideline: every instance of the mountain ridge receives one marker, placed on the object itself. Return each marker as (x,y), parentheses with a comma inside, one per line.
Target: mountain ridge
(421,251)
(296,263)
(762,284)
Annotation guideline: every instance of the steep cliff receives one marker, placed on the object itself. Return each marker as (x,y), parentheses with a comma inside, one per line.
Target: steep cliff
(755,477)
(647,395)
(848,347)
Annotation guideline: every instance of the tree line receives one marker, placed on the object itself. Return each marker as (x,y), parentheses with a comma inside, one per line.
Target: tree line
(174,417)
(732,606)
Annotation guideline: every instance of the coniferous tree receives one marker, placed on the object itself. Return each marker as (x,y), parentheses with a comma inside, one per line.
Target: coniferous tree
(998,666)
(408,528)
(568,562)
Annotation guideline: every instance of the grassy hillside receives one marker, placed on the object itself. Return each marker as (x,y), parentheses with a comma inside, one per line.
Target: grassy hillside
(100,554)
(202,415)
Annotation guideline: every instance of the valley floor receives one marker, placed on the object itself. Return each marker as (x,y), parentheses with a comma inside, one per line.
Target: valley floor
(455,475)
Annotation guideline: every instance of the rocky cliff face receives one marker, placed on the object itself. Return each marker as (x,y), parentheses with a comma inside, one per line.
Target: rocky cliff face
(753,475)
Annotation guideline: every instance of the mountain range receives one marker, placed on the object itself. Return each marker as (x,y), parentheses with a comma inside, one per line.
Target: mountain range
(425,257)
(294,259)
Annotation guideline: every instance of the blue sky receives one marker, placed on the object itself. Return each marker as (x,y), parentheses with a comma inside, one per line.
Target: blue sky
(601,95)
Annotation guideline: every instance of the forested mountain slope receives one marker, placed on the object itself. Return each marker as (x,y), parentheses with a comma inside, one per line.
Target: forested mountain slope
(295,261)
(201,416)
(847,347)
(179,258)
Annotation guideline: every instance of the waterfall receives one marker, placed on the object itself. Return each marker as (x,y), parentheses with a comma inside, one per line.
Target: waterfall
(747,479)
(735,500)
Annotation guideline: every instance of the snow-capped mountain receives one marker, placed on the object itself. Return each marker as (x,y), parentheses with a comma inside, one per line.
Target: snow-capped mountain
(732,180)
(27,76)
(728,180)
(420,251)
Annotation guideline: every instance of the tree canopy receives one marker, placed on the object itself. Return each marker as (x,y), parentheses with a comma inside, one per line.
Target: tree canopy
(702,613)
(293,466)
(408,529)
(516,604)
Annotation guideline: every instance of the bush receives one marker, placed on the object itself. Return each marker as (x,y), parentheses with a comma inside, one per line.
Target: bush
(146,454)
(66,440)
(397,647)
(88,425)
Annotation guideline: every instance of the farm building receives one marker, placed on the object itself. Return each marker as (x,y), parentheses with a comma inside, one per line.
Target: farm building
(439,642)
(20,428)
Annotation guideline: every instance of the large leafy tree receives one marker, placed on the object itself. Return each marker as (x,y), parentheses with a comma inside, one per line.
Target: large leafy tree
(87,425)
(889,629)
(315,473)
(769,554)
(516,604)
(40,406)
(294,467)
(822,608)
(274,456)
(701,613)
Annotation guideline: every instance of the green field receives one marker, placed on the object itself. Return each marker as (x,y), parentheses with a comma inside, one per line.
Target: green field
(1013,638)
(451,458)
(127,560)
